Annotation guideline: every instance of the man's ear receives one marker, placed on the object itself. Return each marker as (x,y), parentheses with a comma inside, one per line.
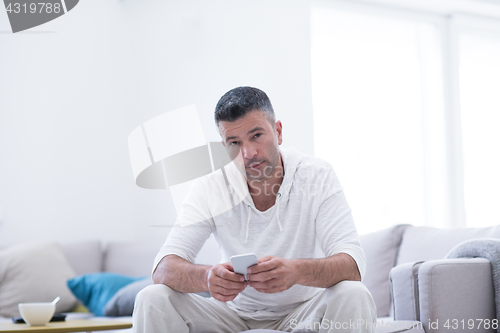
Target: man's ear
(278,127)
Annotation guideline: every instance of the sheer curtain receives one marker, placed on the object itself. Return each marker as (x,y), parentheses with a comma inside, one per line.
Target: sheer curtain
(377,95)
(480,109)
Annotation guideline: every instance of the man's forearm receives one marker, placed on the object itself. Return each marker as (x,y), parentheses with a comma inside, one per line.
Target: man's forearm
(181,275)
(326,272)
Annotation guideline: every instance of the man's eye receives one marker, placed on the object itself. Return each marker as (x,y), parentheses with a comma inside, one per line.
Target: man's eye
(234,143)
(257,135)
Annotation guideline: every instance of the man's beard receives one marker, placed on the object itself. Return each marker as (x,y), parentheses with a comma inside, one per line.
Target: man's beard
(265,171)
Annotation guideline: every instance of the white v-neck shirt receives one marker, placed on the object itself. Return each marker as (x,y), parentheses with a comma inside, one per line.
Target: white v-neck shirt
(314,215)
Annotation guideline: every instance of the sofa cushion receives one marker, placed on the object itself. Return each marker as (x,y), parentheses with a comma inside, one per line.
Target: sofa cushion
(122,303)
(381,250)
(95,290)
(84,257)
(34,273)
(428,243)
(130,258)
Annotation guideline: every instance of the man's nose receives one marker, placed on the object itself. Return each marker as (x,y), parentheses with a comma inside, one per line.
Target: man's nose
(248,151)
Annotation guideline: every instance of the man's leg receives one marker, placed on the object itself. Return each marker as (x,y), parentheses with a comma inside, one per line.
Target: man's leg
(160,309)
(345,307)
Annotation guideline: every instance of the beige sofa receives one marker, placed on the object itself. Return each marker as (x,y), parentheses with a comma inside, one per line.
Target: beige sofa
(410,279)
(402,246)
(126,258)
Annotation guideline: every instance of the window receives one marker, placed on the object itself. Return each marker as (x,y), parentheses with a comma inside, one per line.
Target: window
(384,85)
(480,110)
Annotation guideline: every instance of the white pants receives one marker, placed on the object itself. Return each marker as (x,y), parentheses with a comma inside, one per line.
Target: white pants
(345,307)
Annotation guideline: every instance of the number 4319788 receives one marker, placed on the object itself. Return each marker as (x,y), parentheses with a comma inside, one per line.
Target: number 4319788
(33,7)
(471,324)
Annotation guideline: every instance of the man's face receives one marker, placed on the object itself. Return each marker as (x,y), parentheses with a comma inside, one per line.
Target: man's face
(257,140)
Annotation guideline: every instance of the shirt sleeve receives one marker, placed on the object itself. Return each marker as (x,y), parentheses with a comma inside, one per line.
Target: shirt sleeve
(335,227)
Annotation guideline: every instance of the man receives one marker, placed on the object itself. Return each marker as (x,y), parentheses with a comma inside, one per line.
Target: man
(294,217)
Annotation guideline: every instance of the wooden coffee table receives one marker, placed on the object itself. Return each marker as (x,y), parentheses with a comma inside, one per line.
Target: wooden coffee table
(76,325)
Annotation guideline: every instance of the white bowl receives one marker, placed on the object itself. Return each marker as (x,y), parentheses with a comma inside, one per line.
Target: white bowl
(37,314)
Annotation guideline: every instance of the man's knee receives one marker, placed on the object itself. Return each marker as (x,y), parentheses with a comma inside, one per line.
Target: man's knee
(350,302)
(354,289)
(353,292)
(156,293)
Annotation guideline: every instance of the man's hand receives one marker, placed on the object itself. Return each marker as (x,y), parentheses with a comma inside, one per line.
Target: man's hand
(273,274)
(223,283)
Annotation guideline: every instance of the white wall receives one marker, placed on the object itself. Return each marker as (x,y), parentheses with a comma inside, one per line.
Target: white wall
(73,89)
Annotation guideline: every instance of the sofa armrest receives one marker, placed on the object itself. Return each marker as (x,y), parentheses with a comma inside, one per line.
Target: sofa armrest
(404,291)
(456,291)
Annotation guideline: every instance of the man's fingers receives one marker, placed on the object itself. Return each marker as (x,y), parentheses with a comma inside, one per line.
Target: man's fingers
(224,285)
(230,284)
(224,291)
(264,276)
(264,258)
(226,274)
(228,266)
(224,294)
(263,266)
(223,298)
(269,287)
(265,284)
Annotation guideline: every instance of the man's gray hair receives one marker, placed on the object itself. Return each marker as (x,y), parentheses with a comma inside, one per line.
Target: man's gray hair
(237,102)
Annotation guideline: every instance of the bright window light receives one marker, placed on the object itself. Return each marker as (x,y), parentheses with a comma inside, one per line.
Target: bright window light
(480,109)
(377,107)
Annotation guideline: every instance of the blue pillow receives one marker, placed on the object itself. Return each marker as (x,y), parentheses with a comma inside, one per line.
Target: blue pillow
(95,290)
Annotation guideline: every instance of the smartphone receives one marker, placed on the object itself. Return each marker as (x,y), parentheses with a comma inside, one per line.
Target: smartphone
(242,262)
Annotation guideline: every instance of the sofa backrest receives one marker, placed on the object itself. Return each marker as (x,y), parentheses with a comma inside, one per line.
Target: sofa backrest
(127,258)
(84,257)
(384,249)
(427,243)
(137,259)
(381,251)
(130,258)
